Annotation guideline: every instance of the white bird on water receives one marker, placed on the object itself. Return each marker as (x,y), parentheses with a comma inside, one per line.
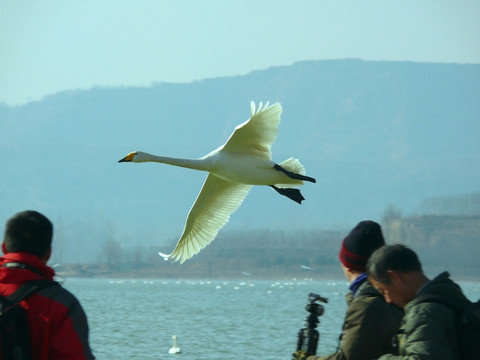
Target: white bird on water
(174,349)
(243,161)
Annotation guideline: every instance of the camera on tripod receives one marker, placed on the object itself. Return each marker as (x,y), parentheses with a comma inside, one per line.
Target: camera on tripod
(308,336)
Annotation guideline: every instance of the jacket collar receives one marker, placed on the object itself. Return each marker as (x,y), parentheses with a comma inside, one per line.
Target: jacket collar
(355,285)
(21,275)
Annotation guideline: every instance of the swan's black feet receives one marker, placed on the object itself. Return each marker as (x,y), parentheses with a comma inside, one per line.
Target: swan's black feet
(292,175)
(293,194)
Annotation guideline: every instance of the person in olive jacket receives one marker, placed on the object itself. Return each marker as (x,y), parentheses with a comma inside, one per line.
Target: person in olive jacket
(428,329)
(370,323)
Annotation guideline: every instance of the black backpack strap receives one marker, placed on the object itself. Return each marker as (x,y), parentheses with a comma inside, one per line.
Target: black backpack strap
(20,265)
(29,288)
(14,329)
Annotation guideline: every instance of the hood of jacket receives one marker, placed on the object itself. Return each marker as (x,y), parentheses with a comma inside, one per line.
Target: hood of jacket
(12,275)
(442,286)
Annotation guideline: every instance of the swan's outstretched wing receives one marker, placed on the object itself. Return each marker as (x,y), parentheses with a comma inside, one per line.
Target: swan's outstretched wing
(217,200)
(256,135)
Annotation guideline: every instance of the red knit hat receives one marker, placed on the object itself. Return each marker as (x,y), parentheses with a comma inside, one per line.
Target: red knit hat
(357,246)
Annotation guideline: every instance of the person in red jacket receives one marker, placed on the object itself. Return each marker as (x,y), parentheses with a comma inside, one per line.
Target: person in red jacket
(58,323)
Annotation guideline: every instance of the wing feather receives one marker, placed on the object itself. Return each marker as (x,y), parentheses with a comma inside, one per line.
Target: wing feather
(256,135)
(217,200)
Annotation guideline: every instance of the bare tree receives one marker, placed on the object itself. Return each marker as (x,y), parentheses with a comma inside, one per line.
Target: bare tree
(112,252)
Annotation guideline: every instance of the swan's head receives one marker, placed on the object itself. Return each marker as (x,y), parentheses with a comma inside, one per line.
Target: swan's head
(136,156)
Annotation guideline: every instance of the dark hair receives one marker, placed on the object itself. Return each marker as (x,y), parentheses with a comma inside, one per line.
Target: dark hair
(30,232)
(396,257)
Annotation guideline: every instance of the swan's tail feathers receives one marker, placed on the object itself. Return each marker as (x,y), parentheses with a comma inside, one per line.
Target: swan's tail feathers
(294,169)
(293,165)
(293,194)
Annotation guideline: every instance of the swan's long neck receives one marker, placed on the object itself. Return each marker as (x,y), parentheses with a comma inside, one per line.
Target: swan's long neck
(196,164)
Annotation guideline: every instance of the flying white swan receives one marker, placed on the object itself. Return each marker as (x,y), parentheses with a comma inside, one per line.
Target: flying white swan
(243,161)
(174,349)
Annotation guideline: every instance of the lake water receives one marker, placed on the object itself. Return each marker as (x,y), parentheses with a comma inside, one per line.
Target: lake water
(135,319)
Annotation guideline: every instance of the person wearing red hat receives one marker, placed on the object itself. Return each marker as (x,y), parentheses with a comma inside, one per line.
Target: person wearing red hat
(370,323)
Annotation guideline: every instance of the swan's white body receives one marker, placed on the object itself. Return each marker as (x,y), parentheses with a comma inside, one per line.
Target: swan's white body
(238,168)
(243,161)
(174,349)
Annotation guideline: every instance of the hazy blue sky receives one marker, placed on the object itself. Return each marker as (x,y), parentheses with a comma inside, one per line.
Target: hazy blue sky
(51,45)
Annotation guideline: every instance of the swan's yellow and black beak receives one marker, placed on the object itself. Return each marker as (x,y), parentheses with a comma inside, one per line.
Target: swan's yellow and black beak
(128,158)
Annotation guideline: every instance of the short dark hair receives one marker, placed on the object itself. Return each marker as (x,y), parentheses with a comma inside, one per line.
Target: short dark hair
(396,257)
(30,232)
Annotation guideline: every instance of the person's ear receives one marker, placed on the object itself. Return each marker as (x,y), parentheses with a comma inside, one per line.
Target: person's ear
(47,255)
(4,248)
(395,277)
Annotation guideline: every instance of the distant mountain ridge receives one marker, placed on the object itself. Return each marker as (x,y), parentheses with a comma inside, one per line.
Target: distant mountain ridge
(373,134)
